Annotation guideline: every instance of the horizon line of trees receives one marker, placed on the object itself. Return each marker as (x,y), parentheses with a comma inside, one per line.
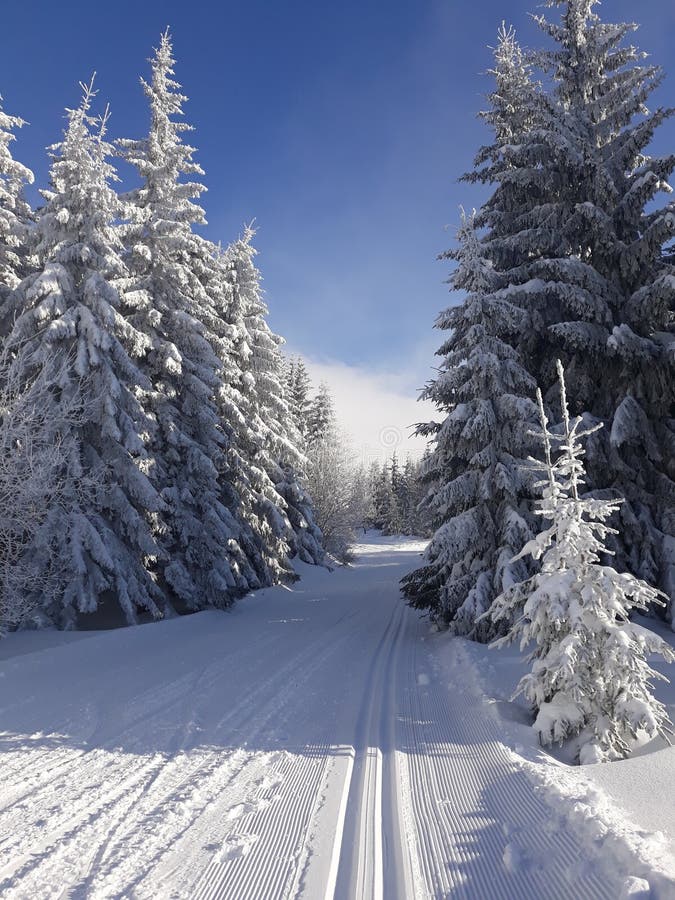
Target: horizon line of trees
(348,495)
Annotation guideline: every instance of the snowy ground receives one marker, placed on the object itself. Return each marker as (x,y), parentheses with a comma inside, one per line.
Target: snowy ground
(314,742)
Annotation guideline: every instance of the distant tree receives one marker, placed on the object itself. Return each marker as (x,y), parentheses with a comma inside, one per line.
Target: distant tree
(320,417)
(393,513)
(411,493)
(334,483)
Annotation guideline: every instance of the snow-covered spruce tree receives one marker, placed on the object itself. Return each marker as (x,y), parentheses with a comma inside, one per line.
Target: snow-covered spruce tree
(573,221)
(15,213)
(394,497)
(424,475)
(320,417)
(71,335)
(393,522)
(297,386)
(386,513)
(590,677)
(478,487)
(411,492)
(372,478)
(170,264)
(266,441)
(243,477)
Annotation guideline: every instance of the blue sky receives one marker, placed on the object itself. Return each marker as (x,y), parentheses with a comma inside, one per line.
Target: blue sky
(340,127)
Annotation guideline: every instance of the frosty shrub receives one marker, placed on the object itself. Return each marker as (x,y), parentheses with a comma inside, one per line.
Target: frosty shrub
(337,494)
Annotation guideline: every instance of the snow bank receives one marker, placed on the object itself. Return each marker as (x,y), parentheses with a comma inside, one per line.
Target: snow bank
(625,811)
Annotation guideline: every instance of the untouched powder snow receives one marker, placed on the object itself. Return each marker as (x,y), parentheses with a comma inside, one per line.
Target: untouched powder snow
(317,742)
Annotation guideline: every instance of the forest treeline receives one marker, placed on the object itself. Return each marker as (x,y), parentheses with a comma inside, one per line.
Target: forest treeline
(150,458)
(159,451)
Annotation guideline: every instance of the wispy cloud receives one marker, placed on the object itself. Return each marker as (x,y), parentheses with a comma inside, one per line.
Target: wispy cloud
(376,408)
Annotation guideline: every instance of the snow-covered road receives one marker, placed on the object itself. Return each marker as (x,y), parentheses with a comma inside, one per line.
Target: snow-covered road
(314,742)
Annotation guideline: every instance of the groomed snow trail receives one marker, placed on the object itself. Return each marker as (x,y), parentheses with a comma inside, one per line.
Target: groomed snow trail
(316,742)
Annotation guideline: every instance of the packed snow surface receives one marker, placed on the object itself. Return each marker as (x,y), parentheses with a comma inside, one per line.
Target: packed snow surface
(317,741)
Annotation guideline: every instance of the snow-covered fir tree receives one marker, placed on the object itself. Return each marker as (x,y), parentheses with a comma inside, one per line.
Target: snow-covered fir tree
(478,488)
(393,513)
(266,440)
(320,417)
(575,223)
(170,263)
(71,332)
(394,496)
(243,477)
(590,677)
(298,386)
(15,212)
(386,514)
(411,494)
(372,477)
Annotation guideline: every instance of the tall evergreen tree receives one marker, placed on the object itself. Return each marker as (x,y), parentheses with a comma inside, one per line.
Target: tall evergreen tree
(15,213)
(71,332)
(405,496)
(478,488)
(269,437)
(171,265)
(372,480)
(242,475)
(573,221)
(412,491)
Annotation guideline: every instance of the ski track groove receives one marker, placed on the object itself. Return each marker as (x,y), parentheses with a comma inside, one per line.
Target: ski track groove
(201,772)
(281,827)
(361,874)
(459,778)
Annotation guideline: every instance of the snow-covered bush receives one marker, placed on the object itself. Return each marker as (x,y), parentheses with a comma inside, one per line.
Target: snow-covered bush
(590,676)
(337,493)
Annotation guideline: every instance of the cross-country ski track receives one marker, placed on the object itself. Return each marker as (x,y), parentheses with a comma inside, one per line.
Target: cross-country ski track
(317,741)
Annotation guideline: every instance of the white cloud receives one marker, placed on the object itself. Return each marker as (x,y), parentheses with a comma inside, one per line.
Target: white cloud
(376,408)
